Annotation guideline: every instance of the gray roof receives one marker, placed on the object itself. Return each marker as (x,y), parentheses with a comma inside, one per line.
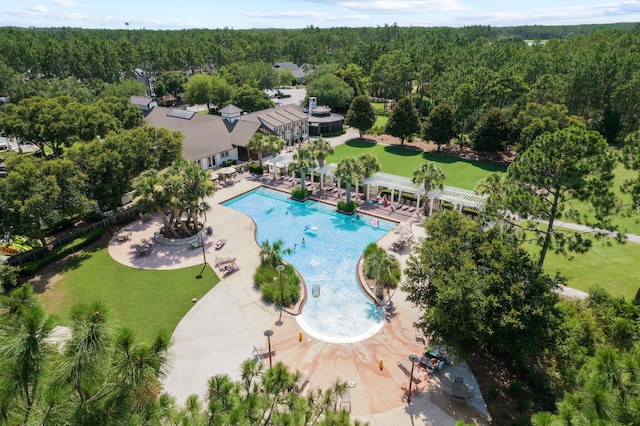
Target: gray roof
(331,118)
(231,110)
(295,69)
(141,100)
(275,117)
(204,135)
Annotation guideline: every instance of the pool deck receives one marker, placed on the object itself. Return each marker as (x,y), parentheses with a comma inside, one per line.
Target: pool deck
(219,332)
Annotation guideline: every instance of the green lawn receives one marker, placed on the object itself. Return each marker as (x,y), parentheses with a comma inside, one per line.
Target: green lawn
(145,301)
(460,173)
(381,121)
(378,107)
(629,224)
(614,267)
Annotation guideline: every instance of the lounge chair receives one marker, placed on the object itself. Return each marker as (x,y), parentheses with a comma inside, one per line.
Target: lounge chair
(405,205)
(345,401)
(220,243)
(229,268)
(220,261)
(405,366)
(260,352)
(300,384)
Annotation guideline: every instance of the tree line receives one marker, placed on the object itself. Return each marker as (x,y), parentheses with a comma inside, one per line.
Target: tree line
(590,69)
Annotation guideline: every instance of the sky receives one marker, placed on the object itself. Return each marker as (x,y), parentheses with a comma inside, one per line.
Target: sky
(243,14)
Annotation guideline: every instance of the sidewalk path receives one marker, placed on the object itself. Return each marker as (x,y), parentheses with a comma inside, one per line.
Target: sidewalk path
(219,332)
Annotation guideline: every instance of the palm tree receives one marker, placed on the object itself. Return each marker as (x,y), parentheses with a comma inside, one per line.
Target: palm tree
(303,160)
(258,143)
(430,175)
(349,172)
(262,144)
(24,350)
(321,149)
(197,186)
(150,195)
(382,269)
(271,254)
(274,144)
(369,164)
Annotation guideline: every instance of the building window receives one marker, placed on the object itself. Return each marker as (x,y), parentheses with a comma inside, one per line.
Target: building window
(224,154)
(211,161)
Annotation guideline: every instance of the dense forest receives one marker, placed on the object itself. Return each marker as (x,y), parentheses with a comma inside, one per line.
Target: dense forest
(548,92)
(592,69)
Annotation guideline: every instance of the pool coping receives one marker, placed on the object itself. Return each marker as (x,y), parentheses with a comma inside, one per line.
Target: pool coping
(359,265)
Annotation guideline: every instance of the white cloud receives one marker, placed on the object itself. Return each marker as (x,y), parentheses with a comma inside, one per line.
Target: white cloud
(38,9)
(65,3)
(397,6)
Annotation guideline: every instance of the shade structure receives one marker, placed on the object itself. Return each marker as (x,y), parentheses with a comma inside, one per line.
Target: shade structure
(214,176)
(226,171)
(458,197)
(279,162)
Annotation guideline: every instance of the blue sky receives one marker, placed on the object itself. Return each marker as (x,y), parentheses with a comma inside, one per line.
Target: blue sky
(240,14)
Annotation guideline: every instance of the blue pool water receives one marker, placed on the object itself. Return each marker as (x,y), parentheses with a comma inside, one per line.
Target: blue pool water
(333,243)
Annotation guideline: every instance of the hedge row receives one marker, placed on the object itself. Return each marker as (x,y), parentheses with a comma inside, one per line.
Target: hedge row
(58,253)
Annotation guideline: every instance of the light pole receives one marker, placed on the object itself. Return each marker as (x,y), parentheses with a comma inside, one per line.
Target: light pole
(413,359)
(269,333)
(204,256)
(280,268)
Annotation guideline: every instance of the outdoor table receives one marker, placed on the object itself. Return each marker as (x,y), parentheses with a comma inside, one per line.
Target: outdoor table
(459,391)
(123,235)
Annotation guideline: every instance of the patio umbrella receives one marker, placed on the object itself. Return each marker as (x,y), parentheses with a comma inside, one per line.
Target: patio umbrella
(403,231)
(214,176)
(227,171)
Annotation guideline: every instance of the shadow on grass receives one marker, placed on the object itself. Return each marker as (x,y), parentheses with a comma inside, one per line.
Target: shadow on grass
(452,159)
(74,261)
(360,143)
(402,151)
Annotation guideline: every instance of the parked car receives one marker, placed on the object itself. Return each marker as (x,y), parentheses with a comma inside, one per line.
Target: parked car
(4,146)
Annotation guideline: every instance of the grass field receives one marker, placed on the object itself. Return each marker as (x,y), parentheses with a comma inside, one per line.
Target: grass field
(145,301)
(614,267)
(460,173)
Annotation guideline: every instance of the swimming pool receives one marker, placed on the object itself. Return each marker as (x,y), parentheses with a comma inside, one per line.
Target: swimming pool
(332,245)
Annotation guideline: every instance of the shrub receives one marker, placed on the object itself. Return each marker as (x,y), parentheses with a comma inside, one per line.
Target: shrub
(256,169)
(267,280)
(300,194)
(516,388)
(345,207)
(494,392)
(228,163)
(8,277)
(376,130)
(58,253)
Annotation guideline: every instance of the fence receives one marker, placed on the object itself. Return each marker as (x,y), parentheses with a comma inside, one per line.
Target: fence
(127,212)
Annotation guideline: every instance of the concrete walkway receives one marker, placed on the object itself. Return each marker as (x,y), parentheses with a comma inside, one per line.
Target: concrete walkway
(219,332)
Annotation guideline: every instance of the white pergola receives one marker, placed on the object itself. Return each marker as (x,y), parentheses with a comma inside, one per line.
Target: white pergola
(281,161)
(458,197)
(326,170)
